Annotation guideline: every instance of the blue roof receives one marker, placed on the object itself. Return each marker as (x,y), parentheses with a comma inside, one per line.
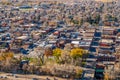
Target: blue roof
(25,7)
(97,34)
(23,62)
(92,49)
(3,38)
(8,35)
(7,45)
(74,36)
(91,56)
(95,44)
(96,39)
(53,47)
(23,51)
(31,46)
(118,30)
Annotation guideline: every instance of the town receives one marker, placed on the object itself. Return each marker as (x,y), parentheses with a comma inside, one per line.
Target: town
(76,40)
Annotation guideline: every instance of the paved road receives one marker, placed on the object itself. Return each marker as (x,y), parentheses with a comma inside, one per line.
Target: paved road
(25,77)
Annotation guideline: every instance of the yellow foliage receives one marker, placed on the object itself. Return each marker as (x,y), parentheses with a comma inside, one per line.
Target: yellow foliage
(57,52)
(5,56)
(1,58)
(106,76)
(78,73)
(76,53)
(10,54)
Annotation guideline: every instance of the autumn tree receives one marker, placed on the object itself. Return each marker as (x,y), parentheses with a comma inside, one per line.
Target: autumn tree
(76,55)
(48,52)
(106,77)
(7,61)
(78,73)
(5,56)
(57,53)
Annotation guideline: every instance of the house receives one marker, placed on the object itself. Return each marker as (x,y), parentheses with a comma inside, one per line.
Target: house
(85,44)
(99,71)
(106,58)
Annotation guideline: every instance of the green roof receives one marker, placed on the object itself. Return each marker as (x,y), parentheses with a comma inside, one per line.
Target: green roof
(99,70)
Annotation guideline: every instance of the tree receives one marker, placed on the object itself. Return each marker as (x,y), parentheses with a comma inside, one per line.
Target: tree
(106,77)
(5,56)
(57,53)
(48,52)
(76,55)
(40,52)
(65,56)
(78,73)
(7,61)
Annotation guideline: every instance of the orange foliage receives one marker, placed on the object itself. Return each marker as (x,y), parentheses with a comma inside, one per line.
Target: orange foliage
(4,56)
